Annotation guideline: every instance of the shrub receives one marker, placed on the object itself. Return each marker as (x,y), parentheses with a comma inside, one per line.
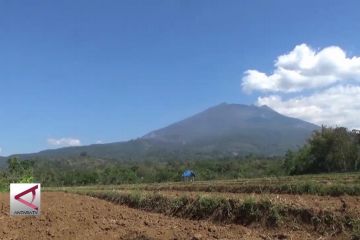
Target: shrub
(274,217)
(249,211)
(206,206)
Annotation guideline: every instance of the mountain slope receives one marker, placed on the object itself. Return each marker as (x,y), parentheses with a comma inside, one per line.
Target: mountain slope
(226,129)
(237,128)
(3,161)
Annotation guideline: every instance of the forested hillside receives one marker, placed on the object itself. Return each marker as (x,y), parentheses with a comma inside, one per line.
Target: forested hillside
(328,150)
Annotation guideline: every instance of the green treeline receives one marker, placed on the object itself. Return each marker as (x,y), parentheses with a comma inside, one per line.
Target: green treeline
(328,150)
(17,172)
(147,172)
(55,173)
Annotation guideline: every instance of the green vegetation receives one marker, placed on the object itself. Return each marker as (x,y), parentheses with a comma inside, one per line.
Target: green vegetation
(88,171)
(19,171)
(320,184)
(228,210)
(328,150)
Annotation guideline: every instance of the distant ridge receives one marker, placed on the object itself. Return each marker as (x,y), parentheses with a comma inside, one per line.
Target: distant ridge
(237,128)
(225,129)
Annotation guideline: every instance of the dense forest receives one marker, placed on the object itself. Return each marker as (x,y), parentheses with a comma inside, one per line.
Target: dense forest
(328,150)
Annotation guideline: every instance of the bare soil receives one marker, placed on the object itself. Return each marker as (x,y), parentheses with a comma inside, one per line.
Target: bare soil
(70,216)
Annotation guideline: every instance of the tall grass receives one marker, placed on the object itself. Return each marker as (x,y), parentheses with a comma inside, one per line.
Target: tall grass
(245,212)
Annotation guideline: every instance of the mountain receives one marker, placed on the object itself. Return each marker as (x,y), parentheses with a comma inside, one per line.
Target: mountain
(238,129)
(225,129)
(2,161)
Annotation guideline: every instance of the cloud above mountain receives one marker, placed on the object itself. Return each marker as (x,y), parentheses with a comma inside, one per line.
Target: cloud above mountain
(339,105)
(64,142)
(305,68)
(321,86)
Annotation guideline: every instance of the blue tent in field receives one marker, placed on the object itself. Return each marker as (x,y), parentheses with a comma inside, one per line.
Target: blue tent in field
(188,175)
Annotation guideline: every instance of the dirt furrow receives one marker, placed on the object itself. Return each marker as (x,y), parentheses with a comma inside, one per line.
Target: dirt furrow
(70,216)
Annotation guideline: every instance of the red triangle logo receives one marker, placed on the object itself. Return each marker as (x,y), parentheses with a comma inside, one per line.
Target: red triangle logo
(30,190)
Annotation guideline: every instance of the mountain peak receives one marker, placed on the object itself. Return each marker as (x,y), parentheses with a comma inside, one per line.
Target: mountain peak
(226,128)
(254,127)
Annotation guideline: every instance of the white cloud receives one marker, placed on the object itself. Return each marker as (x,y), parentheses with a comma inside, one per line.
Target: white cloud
(338,105)
(0,149)
(305,68)
(64,142)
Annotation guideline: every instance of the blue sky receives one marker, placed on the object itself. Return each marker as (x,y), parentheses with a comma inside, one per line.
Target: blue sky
(115,70)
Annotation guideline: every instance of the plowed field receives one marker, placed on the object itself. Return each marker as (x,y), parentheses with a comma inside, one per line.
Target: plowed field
(72,216)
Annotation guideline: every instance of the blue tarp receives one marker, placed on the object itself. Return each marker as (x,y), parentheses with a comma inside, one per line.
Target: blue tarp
(188,173)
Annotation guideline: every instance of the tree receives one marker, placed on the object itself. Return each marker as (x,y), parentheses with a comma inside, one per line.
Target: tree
(328,150)
(20,170)
(289,162)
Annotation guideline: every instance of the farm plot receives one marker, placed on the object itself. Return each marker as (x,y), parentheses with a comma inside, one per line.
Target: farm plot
(72,216)
(322,205)
(324,184)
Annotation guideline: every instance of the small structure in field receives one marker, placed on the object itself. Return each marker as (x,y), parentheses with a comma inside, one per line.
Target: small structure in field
(188,175)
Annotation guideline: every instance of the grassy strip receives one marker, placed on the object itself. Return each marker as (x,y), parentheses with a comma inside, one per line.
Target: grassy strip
(298,188)
(246,212)
(322,184)
(295,188)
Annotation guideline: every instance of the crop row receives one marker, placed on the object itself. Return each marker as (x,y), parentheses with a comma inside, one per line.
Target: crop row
(324,185)
(286,188)
(244,212)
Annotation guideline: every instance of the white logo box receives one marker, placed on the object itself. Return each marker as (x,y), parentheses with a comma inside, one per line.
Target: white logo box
(25,199)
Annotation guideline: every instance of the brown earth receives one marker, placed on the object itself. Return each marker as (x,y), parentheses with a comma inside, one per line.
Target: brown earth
(70,216)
